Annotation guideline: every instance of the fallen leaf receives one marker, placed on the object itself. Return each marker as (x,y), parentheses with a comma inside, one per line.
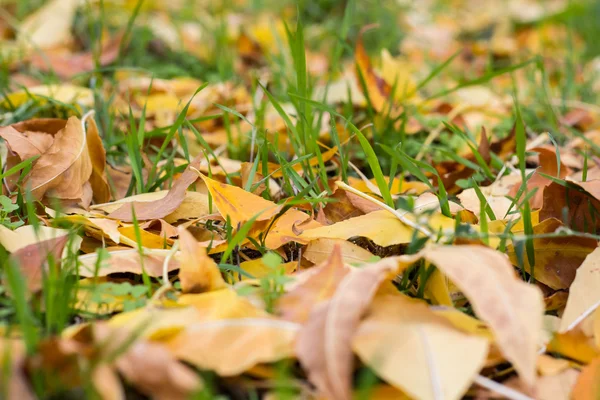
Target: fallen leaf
(13,378)
(587,386)
(382,227)
(319,250)
(412,348)
(27,235)
(512,308)
(556,258)
(197,272)
(63,93)
(578,206)
(194,204)
(239,205)
(163,206)
(49,26)
(584,295)
(31,260)
(324,342)
(231,346)
(162,377)
(258,269)
(377,89)
(69,65)
(557,387)
(549,165)
(297,304)
(126,261)
(574,344)
(64,168)
(95,148)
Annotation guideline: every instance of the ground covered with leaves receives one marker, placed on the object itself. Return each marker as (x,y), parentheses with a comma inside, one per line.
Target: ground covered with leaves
(323,200)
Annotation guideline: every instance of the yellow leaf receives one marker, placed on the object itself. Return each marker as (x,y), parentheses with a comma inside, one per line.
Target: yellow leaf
(197,272)
(64,93)
(258,269)
(574,344)
(239,205)
(222,304)
(382,227)
(436,289)
(399,186)
(231,346)
(282,230)
(319,250)
(465,322)
(149,240)
(412,348)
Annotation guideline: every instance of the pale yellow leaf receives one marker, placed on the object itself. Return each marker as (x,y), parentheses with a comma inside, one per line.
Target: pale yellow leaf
(412,348)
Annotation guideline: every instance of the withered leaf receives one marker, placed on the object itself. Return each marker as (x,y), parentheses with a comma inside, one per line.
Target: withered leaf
(556,258)
(164,206)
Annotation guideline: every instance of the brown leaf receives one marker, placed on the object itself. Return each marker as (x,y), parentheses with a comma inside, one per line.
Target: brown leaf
(452,171)
(68,65)
(64,168)
(31,138)
(556,258)
(164,206)
(342,207)
(245,170)
(31,260)
(198,272)
(100,187)
(580,208)
(297,304)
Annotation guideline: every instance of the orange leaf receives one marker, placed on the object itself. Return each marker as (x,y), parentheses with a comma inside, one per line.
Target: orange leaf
(239,205)
(587,386)
(378,90)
